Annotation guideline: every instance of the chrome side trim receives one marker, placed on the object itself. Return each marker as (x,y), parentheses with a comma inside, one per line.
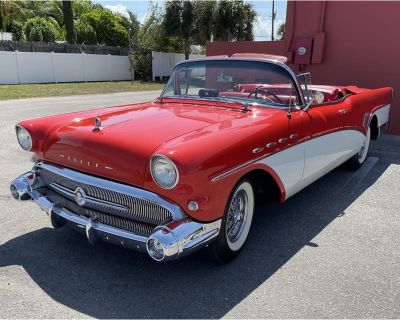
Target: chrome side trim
(237,168)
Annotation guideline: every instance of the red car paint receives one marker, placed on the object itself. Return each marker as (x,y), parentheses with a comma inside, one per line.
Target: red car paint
(204,139)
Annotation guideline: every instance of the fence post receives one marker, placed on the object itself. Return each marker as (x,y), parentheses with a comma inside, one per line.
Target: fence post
(17,61)
(152,66)
(109,66)
(53,63)
(84,66)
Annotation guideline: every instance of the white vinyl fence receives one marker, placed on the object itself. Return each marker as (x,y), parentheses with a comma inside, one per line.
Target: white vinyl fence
(46,67)
(164,63)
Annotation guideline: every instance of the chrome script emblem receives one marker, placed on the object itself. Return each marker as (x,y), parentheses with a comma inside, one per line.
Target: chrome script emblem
(80,196)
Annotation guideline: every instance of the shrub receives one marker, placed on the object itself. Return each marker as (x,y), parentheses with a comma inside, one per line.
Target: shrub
(141,61)
(40,29)
(85,33)
(108,30)
(17,32)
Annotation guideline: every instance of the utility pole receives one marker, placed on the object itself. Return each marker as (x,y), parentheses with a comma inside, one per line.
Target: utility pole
(273,20)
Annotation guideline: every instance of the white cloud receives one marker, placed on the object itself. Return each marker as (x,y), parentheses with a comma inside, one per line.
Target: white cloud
(118,8)
(262,28)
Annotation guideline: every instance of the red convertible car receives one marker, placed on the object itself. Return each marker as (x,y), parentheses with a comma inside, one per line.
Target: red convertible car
(184,171)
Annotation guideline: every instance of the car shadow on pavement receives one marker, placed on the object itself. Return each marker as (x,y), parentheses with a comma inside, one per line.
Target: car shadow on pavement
(111,282)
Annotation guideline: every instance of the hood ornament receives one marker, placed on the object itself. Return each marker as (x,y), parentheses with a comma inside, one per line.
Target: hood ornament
(97,124)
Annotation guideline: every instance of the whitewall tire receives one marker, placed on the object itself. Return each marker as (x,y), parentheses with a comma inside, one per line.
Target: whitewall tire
(357,160)
(236,222)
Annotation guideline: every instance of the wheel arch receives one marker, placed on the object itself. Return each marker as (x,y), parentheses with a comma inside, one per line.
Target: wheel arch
(375,131)
(266,184)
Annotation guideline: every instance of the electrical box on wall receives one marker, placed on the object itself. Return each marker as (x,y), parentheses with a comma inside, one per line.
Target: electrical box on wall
(302,50)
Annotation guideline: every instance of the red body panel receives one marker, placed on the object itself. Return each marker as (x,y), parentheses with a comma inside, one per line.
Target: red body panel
(204,139)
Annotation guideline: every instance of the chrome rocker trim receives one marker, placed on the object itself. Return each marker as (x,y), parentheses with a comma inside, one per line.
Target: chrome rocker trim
(178,238)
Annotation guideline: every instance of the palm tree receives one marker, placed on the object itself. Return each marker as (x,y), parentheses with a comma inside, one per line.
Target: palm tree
(68,21)
(10,10)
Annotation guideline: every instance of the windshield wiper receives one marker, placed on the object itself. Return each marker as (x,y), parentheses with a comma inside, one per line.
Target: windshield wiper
(245,105)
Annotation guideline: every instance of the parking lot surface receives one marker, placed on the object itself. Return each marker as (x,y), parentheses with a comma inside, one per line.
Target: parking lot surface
(333,250)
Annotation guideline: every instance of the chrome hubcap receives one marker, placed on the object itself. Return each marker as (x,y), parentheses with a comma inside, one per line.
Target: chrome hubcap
(237,214)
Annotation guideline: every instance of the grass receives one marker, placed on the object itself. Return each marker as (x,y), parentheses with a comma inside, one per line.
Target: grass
(21,91)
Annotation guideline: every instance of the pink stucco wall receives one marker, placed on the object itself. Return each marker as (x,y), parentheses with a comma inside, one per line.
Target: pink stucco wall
(362,45)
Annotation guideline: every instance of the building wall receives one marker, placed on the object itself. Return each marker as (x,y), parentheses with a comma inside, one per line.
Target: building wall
(361,45)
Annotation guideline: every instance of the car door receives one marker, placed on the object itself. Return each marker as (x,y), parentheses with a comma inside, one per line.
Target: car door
(328,144)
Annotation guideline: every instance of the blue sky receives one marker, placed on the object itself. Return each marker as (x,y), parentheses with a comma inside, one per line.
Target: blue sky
(262,27)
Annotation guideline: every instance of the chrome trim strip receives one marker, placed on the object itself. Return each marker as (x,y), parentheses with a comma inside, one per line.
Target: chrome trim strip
(79,177)
(234,169)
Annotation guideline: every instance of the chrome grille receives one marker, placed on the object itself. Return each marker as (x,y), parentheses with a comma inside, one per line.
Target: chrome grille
(111,202)
(111,220)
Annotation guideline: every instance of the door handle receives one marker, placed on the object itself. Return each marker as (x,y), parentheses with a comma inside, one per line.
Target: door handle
(343,111)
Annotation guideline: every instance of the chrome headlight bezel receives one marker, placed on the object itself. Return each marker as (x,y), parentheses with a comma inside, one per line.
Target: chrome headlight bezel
(20,130)
(153,163)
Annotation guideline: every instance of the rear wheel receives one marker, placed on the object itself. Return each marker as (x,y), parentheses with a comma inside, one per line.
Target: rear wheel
(357,160)
(236,222)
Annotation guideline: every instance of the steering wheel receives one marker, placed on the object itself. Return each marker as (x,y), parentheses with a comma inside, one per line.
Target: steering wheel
(266,92)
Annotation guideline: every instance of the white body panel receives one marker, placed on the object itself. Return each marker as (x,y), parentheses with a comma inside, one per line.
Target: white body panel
(289,165)
(302,164)
(382,115)
(325,153)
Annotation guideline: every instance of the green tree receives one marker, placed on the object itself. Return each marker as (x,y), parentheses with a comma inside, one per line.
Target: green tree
(16,28)
(10,10)
(281,31)
(109,31)
(85,34)
(153,35)
(189,20)
(39,29)
(233,21)
(68,16)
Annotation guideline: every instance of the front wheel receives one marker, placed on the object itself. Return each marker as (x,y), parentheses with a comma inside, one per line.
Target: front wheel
(236,222)
(357,160)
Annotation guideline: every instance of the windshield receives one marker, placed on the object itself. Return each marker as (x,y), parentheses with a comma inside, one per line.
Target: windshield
(241,81)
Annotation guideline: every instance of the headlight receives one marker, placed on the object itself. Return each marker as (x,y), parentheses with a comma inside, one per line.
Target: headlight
(24,138)
(164,172)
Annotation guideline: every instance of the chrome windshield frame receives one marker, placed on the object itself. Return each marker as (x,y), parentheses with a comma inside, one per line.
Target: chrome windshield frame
(269,61)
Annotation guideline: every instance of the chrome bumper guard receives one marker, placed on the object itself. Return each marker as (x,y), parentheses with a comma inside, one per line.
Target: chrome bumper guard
(168,242)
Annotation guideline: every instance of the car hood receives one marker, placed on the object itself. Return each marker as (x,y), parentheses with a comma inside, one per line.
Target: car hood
(129,135)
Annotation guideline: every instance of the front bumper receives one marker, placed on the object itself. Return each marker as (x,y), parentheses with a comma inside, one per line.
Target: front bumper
(177,238)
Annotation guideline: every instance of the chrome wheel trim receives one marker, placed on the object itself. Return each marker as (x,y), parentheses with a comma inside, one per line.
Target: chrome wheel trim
(239,216)
(362,154)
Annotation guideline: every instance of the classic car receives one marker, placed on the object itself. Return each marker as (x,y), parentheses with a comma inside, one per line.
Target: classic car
(183,172)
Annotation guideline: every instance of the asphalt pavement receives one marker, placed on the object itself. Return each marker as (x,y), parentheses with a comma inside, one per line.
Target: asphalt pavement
(331,251)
